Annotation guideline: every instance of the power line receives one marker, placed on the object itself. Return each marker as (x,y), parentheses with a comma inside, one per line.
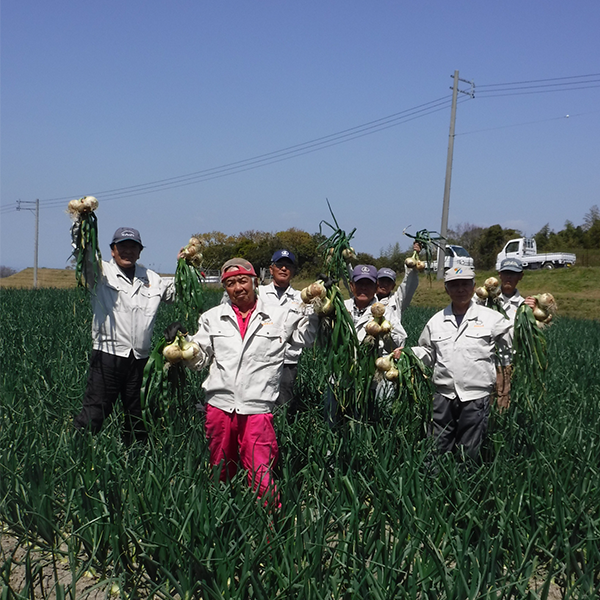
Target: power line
(539,86)
(539,80)
(529,123)
(492,90)
(261,160)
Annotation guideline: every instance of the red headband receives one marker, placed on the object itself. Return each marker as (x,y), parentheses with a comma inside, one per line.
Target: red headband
(238,271)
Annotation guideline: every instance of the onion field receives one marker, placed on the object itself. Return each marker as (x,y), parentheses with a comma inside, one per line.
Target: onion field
(367,512)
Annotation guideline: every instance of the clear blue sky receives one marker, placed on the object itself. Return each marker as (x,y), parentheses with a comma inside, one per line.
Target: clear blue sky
(104,95)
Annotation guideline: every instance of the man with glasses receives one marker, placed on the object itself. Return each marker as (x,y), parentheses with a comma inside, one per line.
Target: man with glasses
(280,293)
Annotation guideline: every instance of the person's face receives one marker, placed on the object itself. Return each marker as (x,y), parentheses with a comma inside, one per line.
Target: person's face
(385,285)
(126,253)
(364,291)
(460,291)
(240,289)
(282,271)
(509,281)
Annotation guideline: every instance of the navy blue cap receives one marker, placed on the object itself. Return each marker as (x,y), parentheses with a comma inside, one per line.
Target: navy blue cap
(281,254)
(127,233)
(364,272)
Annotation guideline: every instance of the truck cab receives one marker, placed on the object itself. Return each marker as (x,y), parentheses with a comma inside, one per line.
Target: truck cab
(455,256)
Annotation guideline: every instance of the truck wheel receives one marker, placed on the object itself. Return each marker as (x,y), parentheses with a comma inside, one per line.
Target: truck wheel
(548,265)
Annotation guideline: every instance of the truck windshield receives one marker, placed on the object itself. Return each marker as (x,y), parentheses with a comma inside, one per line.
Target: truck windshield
(460,251)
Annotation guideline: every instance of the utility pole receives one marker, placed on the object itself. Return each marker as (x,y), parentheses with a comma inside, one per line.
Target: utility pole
(446,205)
(37,236)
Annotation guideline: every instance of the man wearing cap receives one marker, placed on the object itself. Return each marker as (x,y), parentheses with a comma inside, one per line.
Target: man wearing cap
(363,287)
(125,298)
(460,342)
(280,293)
(511,272)
(244,340)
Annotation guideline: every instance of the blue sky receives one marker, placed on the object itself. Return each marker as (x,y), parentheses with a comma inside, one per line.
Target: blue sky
(98,96)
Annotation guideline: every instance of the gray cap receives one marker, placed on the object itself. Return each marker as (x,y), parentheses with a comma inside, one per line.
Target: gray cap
(511,264)
(459,273)
(127,233)
(385,272)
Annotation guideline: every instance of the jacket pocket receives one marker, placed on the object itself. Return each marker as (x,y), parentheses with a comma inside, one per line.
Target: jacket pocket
(268,344)
(478,344)
(150,300)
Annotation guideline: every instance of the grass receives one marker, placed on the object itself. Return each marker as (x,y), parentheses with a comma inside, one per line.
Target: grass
(362,514)
(576,290)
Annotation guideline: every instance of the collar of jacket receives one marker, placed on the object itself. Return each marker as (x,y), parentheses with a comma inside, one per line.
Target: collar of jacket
(468,316)
(140,275)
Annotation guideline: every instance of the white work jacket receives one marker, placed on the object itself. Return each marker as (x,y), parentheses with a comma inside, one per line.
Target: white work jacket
(510,304)
(401,298)
(464,357)
(362,316)
(290,300)
(244,374)
(125,311)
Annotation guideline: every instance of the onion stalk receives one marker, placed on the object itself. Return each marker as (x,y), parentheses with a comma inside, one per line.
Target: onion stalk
(85,241)
(189,283)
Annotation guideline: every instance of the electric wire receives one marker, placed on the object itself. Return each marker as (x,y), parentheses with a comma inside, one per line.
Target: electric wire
(492,90)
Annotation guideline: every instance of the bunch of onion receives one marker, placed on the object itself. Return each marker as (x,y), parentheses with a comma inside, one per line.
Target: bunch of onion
(317,296)
(348,254)
(337,251)
(412,379)
(387,366)
(414,262)
(88,258)
(192,252)
(180,349)
(545,309)
(164,380)
(490,290)
(189,282)
(378,325)
(87,204)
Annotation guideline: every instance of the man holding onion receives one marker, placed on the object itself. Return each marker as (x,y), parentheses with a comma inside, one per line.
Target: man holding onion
(125,298)
(363,287)
(281,293)
(459,343)
(245,340)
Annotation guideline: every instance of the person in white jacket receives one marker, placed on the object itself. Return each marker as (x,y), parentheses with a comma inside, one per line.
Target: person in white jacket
(460,343)
(363,287)
(511,272)
(281,293)
(125,298)
(244,341)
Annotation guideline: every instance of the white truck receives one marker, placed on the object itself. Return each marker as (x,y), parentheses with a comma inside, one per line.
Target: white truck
(525,249)
(455,256)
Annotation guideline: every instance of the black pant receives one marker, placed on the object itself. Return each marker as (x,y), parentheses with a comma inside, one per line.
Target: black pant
(286,387)
(457,423)
(109,377)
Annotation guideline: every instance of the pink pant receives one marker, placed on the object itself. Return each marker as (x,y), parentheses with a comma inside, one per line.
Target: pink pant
(251,438)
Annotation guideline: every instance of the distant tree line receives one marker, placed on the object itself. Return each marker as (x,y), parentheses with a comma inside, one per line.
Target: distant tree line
(482,243)
(6,271)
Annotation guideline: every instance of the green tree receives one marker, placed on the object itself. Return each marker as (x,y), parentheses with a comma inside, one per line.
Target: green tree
(542,238)
(490,243)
